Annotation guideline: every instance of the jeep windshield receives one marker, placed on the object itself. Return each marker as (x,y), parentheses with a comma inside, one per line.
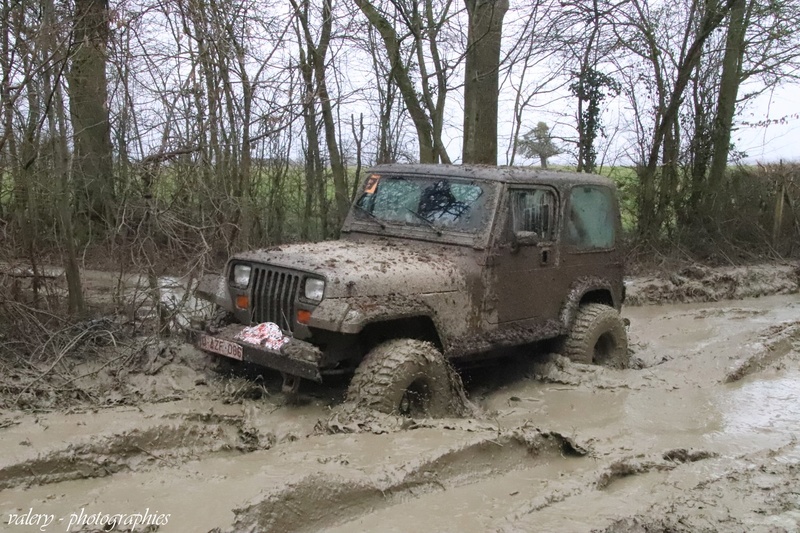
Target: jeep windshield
(434,202)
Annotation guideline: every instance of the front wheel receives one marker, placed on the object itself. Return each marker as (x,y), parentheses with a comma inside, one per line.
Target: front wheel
(407,377)
(598,336)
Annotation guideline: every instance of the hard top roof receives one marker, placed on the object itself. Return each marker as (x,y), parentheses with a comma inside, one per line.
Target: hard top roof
(491,173)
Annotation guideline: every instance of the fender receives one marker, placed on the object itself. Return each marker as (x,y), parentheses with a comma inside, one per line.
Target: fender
(213,288)
(351,315)
(579,288)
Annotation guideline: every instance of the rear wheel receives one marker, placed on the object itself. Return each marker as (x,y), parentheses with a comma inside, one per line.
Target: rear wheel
(407,377)
(598,336)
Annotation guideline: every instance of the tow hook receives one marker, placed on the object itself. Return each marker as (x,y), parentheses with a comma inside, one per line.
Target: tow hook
(291,384)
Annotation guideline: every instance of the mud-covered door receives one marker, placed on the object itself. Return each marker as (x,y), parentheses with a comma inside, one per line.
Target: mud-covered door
(526,258)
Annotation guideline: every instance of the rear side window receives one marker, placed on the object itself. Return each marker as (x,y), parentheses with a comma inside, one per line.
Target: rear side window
(533,213)
(591,223)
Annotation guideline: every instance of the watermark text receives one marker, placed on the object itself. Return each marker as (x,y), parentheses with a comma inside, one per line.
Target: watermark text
(75,521)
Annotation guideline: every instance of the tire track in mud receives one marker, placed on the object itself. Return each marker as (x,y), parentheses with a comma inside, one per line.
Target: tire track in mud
(508,500)
(167,442)
(308,483)
(322,500)
(776,342)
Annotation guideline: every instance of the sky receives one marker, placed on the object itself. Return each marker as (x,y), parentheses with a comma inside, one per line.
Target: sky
(774,142)
(767,130)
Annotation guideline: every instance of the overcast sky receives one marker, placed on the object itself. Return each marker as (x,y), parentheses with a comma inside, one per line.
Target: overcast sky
(771,143)
(767,130)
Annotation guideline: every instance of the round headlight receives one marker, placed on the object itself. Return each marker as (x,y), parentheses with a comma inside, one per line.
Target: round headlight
(241,275)
(314,289)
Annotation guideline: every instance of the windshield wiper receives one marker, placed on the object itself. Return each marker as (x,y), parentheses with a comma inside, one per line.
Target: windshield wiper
(426,221)
(372,215)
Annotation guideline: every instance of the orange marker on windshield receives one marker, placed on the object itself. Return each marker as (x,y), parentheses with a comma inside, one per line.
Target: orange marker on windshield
(372,184)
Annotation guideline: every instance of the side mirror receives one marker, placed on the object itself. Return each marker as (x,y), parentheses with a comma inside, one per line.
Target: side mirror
(523,238)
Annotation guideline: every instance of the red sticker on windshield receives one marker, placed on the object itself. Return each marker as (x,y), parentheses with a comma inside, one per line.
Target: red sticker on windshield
(372,184)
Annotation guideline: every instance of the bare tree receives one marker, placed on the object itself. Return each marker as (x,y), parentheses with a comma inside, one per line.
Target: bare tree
(426,112)
(316,59)
(57,125)
(533,67)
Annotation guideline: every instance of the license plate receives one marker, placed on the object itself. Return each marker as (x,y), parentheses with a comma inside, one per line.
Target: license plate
(220,346)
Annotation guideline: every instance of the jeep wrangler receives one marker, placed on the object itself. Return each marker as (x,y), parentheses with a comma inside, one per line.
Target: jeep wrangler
(435,263)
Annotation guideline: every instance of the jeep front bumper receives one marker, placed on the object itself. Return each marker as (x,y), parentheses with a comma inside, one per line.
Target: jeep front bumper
(296,357)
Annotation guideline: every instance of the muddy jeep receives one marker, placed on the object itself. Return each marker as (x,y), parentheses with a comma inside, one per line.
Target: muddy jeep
(435,263)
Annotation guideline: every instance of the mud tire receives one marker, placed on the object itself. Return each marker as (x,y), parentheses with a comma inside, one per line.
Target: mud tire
(598,336)
(406,377)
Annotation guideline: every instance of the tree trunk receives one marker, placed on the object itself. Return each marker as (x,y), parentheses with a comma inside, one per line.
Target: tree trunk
(92,162)
(387,92)
(588,118)
(780,201)
(72,271)
(328,120)
(700,154)
(481,80)
(5,96)
(726,103)
(57,123)
(358,137)
(669,174)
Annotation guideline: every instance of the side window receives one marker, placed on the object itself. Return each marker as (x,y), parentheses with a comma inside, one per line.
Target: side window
(590,221)
(533,214)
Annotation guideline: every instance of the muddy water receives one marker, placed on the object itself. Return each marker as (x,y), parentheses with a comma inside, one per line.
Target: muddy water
(712,413)
(128,292)
(678,399)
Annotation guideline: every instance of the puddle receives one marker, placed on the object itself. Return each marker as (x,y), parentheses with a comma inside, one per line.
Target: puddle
(762,407)
(180,303)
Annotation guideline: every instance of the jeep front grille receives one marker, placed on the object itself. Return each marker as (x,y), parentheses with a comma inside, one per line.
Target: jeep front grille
(273,296)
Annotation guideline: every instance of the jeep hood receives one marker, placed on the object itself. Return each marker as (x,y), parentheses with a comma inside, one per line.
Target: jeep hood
(368,269)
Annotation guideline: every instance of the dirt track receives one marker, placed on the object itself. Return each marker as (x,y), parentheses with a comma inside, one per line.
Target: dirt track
(699,436)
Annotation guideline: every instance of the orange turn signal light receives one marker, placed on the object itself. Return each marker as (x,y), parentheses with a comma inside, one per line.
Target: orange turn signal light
(242,301)
(303,316)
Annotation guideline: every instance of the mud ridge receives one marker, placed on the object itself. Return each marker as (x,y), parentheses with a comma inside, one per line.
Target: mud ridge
(633,466)
(556,368)
(697,283)
(778,342)
(729,503)
(598,480)
(349,417)
(137,450)
(325,499)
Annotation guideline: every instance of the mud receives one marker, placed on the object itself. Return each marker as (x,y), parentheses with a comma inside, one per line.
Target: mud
(699,435)
(697,283)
